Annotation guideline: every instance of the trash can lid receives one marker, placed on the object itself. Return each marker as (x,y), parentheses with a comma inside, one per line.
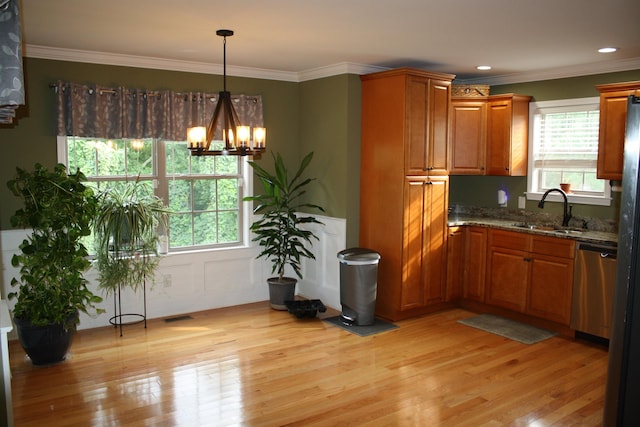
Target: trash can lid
(358,256)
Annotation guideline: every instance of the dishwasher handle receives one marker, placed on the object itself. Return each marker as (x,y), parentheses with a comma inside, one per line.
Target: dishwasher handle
(605,251)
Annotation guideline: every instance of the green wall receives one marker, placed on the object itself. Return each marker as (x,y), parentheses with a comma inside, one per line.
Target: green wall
(31,138)
(321,115)
(330,127)
(482,190)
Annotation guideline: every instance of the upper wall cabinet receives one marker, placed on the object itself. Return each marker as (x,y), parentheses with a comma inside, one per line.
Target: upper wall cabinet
(613,121)
(489,136)
(427,125)
(468,136)
(407,119)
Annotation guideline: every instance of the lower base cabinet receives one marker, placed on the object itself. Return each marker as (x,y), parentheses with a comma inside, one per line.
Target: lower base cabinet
(475,263)
(530,274)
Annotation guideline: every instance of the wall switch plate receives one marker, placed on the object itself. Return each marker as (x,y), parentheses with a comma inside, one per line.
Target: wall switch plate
(522,202)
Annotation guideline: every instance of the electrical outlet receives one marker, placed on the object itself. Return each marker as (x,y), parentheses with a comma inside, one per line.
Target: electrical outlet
(522,202)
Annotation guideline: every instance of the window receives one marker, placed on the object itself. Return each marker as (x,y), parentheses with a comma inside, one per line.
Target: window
(564,149)
(203,193)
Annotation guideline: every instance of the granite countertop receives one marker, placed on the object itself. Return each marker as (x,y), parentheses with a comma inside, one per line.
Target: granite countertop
(582,235)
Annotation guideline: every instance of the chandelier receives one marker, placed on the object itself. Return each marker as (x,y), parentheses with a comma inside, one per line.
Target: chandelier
(236,137)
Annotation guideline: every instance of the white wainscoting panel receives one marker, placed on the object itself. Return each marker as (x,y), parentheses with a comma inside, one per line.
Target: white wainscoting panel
(193,281)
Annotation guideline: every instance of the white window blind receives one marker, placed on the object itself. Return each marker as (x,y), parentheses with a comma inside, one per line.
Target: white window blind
(564,149)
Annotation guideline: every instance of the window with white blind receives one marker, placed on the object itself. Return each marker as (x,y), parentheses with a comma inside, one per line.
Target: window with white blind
(563,149)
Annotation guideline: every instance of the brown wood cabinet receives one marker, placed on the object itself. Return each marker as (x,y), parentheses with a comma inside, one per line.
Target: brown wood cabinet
(455,262)
(424,254)
(531,274)
(468,136)
(427,125)
(551,281)
(475,263)
(489,136)
(507,135)
(508,269)
(613,121)
(404,186)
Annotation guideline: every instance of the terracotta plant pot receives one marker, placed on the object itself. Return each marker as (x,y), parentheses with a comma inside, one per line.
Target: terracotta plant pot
(566,188)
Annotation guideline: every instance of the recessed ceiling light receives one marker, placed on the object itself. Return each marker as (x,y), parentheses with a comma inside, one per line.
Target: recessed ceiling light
(608,49)
(483,67)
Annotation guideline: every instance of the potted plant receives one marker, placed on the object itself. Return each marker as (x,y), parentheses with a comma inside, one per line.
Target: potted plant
(280,231)
(126,235)
(52,290)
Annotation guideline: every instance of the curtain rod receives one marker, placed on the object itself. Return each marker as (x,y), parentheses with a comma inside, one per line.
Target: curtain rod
(156,93)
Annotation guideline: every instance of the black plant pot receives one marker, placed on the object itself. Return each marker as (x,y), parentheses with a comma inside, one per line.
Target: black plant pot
(48,344)
(281,291)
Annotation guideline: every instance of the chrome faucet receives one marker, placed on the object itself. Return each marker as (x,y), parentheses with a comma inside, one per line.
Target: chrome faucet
(566,214)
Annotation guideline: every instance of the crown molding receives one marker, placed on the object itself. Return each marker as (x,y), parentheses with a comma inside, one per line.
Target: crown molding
(72,55)
(337,69)
(559,73)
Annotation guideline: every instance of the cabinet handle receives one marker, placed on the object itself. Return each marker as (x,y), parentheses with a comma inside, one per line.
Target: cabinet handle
(527,259)
(506,168)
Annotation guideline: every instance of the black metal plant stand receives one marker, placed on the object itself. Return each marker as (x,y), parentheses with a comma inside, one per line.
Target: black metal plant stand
(117,319)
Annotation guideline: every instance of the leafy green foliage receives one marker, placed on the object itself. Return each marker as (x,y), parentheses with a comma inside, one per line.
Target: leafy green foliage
(126,235)
(59,209)
(280,231)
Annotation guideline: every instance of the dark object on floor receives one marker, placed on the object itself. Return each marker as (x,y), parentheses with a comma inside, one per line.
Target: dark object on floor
(305,308)
(507,328)
(366,330)
(177,318)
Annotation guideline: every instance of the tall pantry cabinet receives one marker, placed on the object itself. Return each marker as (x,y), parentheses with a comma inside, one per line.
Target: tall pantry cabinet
(404,187)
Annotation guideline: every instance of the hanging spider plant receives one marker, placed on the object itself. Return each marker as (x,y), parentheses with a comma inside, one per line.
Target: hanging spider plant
(126,235)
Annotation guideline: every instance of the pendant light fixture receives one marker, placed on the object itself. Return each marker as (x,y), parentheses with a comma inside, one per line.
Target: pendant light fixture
(236,137)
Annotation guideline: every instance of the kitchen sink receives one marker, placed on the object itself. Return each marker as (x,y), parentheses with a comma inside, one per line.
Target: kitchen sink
(567,231)
(547,228)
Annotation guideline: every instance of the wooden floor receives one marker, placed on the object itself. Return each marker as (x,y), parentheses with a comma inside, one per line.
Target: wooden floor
(250,365)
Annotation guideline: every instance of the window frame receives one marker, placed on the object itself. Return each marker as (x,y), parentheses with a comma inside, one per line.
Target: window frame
(568,104)
(160,180)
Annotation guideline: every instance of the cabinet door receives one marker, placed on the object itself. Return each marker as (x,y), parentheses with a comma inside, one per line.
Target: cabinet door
(412,290)
(613,120)
(435,244)
(455,262)
(507,135)
(550,288)
(498,137)
(507,278)
(427,126)
(475,262)
(468,136)
(424,265)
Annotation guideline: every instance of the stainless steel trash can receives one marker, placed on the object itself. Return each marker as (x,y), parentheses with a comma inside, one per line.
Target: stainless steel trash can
(358,285)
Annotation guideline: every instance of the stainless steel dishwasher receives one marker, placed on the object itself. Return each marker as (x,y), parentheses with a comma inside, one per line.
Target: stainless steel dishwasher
(593,283)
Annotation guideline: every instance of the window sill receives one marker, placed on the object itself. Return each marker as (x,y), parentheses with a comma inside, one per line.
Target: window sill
(573,199)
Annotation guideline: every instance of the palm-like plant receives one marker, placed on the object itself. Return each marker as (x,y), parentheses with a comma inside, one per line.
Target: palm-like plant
(280,231)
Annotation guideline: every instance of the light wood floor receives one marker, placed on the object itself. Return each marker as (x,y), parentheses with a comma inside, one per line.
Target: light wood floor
(250,365)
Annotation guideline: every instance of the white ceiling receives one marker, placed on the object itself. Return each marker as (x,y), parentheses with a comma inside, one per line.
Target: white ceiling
(523,40)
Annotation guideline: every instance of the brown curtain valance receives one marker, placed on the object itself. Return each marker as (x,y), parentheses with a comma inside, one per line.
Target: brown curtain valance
(104,112)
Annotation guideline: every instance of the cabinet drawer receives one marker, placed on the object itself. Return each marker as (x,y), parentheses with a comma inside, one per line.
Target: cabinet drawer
(553,246)
(509,240)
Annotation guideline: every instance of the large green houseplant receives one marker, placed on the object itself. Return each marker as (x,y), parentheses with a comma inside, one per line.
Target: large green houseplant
(281,231)
(126,235)
(52,290)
